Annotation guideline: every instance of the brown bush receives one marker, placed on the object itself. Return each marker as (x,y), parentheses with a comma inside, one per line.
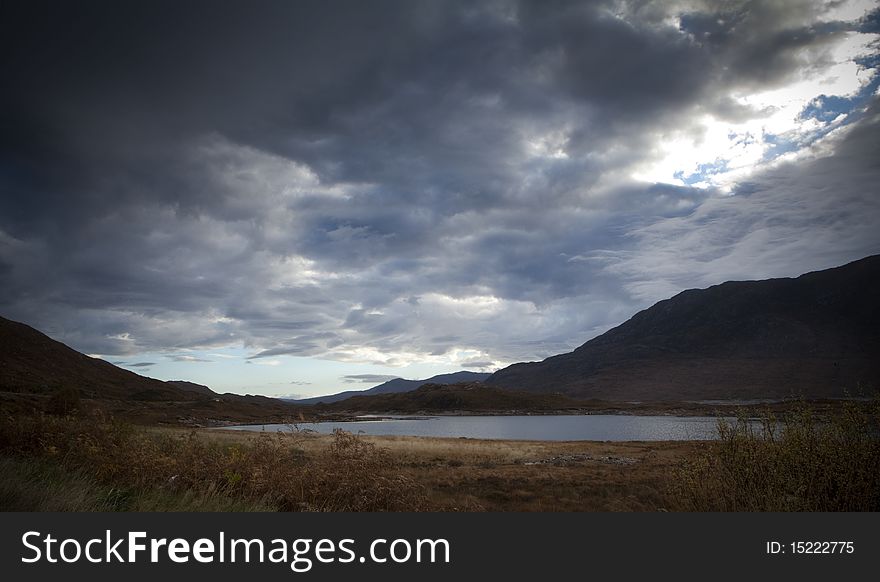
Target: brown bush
(63,401)
(794,463)
(350,475)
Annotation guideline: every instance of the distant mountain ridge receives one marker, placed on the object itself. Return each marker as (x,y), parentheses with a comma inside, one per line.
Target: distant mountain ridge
(397,385)
(815,336)
(461,396)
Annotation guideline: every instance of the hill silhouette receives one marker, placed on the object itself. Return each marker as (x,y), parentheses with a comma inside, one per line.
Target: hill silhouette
(397,385)
(34,363)
(814,336)
(464,396)
(33,367)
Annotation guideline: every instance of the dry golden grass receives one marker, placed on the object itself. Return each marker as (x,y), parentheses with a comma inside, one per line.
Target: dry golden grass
(178,469)
(96,463)
(268,470)
(491,475)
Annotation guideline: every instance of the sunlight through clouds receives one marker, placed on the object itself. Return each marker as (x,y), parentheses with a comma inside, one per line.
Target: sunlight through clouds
(717,153)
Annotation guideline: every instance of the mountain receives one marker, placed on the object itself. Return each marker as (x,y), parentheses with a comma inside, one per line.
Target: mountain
(397,385)
(464,396)
(192,387)
(31,362)
(34,366)
(814,336)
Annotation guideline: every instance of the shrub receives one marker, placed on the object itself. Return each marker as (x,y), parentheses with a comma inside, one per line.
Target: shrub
(268,469)
(63,401)
(794,463)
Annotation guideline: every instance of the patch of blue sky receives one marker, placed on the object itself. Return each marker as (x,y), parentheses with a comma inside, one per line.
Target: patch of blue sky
(831,111)
(742,139)
(778,146)
(827,108)
(703,173)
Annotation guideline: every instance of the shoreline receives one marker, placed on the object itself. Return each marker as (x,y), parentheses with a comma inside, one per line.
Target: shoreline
(685,409)
(218,413)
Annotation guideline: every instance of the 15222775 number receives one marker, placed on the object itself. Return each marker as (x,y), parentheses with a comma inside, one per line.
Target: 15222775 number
(822,547)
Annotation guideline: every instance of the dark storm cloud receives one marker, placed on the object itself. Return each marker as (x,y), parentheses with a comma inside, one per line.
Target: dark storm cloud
(320,179)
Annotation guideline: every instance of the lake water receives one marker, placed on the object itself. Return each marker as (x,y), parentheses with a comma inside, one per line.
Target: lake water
(592,427)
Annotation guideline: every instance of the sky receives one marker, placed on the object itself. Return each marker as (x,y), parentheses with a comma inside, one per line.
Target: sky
(298,198)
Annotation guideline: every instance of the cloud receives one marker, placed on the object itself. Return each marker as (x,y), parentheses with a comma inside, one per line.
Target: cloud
(367,378)
(789,220)
(445,183)
(265,362)
(480,365)
(187,358)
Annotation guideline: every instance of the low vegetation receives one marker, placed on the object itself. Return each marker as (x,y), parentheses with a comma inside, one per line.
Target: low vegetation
(92,463)
(795,462)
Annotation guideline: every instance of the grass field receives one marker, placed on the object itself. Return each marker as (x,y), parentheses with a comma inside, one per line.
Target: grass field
(94,463)
(476,475)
